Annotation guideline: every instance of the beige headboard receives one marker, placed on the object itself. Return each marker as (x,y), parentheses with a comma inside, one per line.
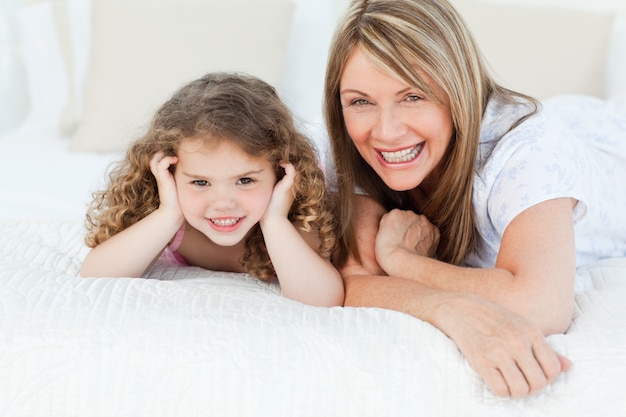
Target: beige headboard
(542,51)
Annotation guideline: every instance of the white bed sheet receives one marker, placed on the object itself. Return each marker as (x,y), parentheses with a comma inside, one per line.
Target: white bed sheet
(190,342)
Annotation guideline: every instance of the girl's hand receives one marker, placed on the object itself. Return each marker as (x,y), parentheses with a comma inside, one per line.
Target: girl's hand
(283,194)
(404,230)
(168,195)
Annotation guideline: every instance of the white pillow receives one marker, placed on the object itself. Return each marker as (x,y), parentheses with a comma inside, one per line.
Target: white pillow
(143,50)
(542,51)
(616,66)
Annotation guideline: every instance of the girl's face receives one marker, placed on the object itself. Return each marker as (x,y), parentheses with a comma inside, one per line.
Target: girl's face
(223,192)
(399,131)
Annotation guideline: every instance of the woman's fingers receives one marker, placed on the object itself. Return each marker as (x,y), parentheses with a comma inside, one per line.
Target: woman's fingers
(552,364)
(512,356)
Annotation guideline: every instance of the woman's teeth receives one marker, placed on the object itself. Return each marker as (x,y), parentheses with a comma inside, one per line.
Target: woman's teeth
(225,222)
(404,155)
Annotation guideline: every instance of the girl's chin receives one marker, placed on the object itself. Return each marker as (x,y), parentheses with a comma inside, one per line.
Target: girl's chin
(225,240)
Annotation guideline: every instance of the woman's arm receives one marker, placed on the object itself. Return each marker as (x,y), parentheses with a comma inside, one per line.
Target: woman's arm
(303,274)
(130,252)
(534,271)
(508,352)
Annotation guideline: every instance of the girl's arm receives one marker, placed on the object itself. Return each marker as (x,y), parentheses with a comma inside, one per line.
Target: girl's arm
(130,252)
(507,351)
(303,274)
(534,271)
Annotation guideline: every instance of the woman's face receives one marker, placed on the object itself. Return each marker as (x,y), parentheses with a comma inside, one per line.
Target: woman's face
(223,192)
(399,131)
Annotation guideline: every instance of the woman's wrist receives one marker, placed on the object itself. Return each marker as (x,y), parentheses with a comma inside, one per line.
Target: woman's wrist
(401,262)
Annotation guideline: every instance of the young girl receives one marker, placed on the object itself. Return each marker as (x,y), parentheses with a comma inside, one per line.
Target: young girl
(222,180)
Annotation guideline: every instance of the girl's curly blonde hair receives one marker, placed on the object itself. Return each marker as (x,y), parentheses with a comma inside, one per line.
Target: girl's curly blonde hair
(219,106)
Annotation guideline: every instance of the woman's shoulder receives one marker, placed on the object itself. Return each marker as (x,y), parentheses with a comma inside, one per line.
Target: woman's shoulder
(539,151)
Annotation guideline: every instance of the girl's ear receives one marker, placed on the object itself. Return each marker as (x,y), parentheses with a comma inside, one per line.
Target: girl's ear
(278,170)
(172,168)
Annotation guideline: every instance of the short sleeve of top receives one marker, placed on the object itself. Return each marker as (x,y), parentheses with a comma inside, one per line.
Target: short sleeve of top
(535,162)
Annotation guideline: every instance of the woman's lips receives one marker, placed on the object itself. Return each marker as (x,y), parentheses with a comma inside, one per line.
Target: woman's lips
(403,155)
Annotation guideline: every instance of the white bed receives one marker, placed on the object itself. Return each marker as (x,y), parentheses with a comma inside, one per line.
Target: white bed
(191,342)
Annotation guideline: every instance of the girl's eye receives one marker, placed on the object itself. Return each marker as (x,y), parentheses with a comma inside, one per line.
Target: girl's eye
(245,181)
(200,183)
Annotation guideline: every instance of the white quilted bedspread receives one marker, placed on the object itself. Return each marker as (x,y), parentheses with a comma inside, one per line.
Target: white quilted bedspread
(190,342)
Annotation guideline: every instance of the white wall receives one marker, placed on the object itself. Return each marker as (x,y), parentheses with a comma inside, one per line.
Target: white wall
(612,5)
(314,22)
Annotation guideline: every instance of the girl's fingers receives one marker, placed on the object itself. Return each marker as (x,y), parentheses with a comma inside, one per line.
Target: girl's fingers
(161,163)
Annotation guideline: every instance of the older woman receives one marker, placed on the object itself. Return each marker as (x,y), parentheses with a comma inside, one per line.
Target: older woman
(463,203)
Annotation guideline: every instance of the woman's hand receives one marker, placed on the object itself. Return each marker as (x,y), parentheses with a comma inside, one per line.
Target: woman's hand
(283,195)
(160,167)
(403,230)
(512,356)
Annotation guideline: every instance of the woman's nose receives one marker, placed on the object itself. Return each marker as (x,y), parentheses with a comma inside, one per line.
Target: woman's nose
(389,124)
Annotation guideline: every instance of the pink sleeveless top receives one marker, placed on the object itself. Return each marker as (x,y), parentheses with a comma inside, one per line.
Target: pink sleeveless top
(170,254)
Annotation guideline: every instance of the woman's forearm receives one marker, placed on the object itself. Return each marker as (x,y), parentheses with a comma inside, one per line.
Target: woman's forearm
(548,305)
(507,351)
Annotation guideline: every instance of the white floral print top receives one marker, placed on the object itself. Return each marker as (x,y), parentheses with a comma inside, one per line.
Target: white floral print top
(574,147)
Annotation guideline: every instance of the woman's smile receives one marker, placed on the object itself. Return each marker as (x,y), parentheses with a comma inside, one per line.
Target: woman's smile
(398,129)
(401,156)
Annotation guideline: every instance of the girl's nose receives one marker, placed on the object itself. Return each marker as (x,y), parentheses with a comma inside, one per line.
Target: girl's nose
(222,199)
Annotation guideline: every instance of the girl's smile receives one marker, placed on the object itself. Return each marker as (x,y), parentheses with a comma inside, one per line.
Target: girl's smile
(225,224)
(223,192)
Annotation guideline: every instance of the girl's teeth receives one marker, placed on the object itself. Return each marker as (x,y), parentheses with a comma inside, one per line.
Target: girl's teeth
(225,222)
(404,155)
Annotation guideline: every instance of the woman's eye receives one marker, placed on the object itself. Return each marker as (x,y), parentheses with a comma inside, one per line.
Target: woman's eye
(359,102)
(245,181)
(200,183)
(414,97)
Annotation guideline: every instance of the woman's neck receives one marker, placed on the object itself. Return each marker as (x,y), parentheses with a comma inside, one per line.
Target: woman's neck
(420,195)
(418,198)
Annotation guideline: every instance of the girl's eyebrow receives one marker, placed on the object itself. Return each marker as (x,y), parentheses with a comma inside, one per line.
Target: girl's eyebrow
(243,174)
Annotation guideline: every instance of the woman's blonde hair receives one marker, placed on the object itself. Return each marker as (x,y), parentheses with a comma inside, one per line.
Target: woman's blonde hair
(417,41)
(219,106)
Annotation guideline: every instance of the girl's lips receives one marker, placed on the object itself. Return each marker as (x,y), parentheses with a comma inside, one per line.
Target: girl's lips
(225,224)
(401,156)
